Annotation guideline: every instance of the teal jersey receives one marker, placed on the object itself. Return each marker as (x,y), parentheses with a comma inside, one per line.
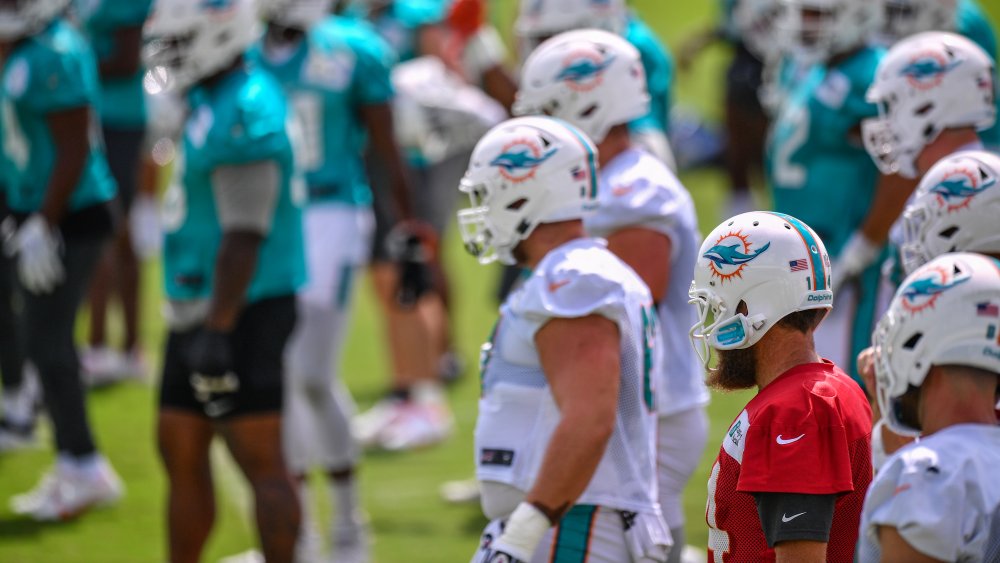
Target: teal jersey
(51,71)
(816,166)
(239,120)
(122,102)
(659,67)
(971,22)
(400,22)
(340,66)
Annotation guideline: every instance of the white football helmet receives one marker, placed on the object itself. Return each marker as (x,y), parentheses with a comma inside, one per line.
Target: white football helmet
(756,22)
(20,18)
(955,209)
(907,17)
(945,313)
(926,83)
(524,172)
(298,14)
(192,39)
(815,30)
(773,263)
(538,20)
(591,78)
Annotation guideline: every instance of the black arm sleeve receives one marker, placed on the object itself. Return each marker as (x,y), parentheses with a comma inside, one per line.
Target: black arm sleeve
(795,516)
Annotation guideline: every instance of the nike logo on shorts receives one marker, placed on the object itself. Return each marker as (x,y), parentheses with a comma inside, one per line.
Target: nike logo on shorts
(785,441)
(790,518)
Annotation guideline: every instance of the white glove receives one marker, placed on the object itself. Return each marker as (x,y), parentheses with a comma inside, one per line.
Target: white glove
(857,254)
(483,51)
(521,535)
(144,227)
(39,265)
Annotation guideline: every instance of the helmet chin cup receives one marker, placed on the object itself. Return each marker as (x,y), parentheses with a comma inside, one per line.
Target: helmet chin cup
(736,332)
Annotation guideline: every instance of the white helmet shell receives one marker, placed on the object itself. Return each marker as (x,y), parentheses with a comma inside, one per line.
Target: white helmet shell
(908,17)
(538,20)
(590,78)
(772,263)
(945,313)
(299,14)
(193,39)
(756,22)
(925,84)
(954,209)
(24,17)
(816,30)
(524,172)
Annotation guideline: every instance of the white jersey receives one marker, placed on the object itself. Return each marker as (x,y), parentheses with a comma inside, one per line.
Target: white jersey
(638,190)
(517,412)
(941,494)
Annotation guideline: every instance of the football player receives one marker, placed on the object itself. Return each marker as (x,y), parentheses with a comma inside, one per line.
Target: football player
(815,143)
(937,361)
(233,261)
(114,29)
(539,20)
(647,217)
(790,476)
(335,71)
(59,189)
(565,440)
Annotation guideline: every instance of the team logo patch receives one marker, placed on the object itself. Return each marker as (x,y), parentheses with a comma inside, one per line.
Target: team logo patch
(956,190)
(520,159)
(923,292)
(927,70)
(584,70)
(730,255)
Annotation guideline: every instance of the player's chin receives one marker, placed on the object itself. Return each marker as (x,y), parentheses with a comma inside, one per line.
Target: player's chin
(735,371)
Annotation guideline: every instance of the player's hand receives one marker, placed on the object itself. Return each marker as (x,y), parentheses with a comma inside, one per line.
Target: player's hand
(866,369)
(145,229)
(521,535)
(37,247)
(209,353)
(858,254)
(413,246)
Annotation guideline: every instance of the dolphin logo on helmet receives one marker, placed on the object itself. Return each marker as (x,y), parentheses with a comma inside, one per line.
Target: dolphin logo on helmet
(583,69)
(521,157)
(729,256)
(928,71)
(921,293)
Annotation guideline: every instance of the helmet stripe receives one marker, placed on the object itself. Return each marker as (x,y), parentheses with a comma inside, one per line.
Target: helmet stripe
(815,257)
(591,157)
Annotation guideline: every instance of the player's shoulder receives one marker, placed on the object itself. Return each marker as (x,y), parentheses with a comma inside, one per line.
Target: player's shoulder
(636,167)
(860,67)
(819,391)
(418,13)
(642,37)
(948,450)
(58,41)
(971,21)
(346,34)
(245,118)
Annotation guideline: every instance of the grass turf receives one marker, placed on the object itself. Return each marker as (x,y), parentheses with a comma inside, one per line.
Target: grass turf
(400,492)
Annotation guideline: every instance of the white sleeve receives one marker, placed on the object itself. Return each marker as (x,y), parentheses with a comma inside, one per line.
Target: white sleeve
(928,503)
(562,294)
(643,203)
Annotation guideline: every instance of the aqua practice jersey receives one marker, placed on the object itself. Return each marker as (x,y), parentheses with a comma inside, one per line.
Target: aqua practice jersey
(659,67)
(122,103)
(239,120)
(399,23)
(341,65)
(49,72)
(971,22)
(816,165)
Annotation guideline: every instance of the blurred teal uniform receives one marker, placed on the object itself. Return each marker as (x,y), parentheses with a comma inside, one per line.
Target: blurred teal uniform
(51,71)
(971,21)
(400,22)
(818,169)
(342,64)
(122,101)
(659,67)
(238,120)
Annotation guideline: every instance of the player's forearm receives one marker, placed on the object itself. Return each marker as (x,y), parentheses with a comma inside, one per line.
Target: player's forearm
(801,551)
(571,458)
(72,147)
(234,269)
(125,61)
(378,121)
(890,198)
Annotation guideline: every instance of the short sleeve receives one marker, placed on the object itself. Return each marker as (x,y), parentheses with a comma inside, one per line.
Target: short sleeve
(257,129)
(372,84)
(53,81)
(568,294)
(926,501)
(797,446)
(643,203)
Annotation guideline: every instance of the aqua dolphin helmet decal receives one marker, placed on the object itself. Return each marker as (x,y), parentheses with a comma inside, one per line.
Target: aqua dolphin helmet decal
(753,270)
(927,71)
(520,159)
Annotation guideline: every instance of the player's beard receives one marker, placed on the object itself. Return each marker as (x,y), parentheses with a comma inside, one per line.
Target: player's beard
(737,369)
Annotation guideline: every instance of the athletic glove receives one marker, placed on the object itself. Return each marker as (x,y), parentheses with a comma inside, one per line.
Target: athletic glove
(209,358)
(144,227)
(37,246)
(411,247)
(858,254)
(521,535)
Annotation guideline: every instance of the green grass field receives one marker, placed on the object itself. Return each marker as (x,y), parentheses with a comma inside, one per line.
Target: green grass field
(400,492)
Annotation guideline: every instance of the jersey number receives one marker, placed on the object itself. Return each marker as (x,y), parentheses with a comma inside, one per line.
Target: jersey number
(718,540)
(305,128)
(648,341)
(794,133)
(15,146)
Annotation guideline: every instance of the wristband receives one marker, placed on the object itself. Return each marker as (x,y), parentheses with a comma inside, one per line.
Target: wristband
(523,531)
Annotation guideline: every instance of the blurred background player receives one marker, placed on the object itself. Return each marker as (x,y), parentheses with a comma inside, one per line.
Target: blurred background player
(565,435)
(937,362)
(815,143)
(538,20)
(335,71)
(114,29)
(233,261)
(59,190)
(792,470)
(648,219)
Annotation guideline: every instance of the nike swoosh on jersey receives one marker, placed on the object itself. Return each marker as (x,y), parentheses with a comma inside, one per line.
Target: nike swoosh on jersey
(553,286)
(782,441)
(790,518)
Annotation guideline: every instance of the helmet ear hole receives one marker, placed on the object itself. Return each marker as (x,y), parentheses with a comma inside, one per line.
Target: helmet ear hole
(742,308)
(949,232)
(912,341)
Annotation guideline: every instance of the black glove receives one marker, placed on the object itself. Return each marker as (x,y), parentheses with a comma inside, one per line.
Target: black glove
(210,361)
(412,256)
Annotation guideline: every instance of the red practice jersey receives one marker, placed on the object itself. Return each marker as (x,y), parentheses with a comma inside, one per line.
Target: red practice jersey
(809,432)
